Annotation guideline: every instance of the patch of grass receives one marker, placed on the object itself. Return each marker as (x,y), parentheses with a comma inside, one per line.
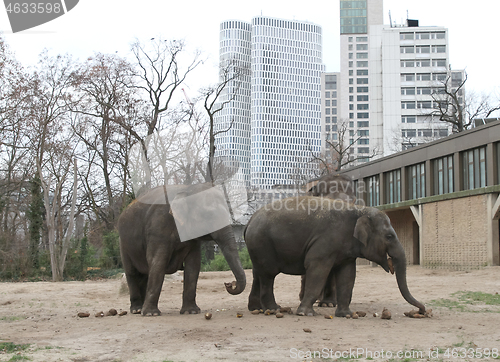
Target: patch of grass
(478,298)
(9,347)
(19,357)
(463,299)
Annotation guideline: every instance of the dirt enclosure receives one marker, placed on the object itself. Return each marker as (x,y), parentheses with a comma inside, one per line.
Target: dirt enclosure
(44,315)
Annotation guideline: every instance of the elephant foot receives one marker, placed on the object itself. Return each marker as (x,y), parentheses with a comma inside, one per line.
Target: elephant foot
(190,310)
(136,310)
(305,311)
(327,303)
(342,312)
(151,312)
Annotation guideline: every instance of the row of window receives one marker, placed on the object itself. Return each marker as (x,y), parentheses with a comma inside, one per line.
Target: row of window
(420,105)
(412,77)
(473,174)
(424,132)
(422,35)
(411,91)
(413,63)
(422,49)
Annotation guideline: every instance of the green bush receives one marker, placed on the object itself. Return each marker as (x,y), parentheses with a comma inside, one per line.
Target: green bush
(110,258)
(219,263)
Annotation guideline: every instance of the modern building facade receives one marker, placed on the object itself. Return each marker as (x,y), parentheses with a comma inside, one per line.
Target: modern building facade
(391,77)
(280,121)
(443,198)
(232,123)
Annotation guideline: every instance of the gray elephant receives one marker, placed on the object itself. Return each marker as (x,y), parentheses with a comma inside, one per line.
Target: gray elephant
(151,247)
(338,187)
(317,236)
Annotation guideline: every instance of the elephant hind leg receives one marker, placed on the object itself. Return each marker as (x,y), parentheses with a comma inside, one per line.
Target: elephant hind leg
(254,297)
(137,285)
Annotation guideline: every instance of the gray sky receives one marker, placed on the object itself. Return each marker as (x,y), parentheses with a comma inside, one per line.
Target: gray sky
(109,26)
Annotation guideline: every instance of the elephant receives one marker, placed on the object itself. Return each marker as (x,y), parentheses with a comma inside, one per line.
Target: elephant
(151,247)
(339,187)
(317,237)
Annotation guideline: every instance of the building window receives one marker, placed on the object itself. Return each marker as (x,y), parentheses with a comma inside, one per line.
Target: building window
(497,146)
(407,50)
(362,90)
(423,49)
(361,107)
(423,76)
(408,133)
(361,46)
(362,64)
(422,36)
(363,124)
(373,191)
(361,39)
(424,104)
(392,181)
(408,91)
(408,77)
(474,168)
(408,105)
(416,181)
(443,175)
(406,36)
(361,55)
(423,90)
(363,98)
(361,80)
(439,48)
(408,119)
(363,115)
(363,132)
(439,62)
(362,72)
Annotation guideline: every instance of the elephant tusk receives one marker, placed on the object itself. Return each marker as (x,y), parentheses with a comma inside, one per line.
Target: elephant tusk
(391,266)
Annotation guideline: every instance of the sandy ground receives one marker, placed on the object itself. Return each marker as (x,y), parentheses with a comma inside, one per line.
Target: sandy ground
(44,315)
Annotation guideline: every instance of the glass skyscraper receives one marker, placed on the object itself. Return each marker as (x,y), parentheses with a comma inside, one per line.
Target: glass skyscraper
(280,121)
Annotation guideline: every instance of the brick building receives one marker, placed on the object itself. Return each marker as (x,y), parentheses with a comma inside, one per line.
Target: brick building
(442,198)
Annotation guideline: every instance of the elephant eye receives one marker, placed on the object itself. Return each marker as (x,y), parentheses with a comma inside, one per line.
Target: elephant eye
(390,236)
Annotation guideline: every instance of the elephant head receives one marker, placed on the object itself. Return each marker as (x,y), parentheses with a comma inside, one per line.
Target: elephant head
(375,231)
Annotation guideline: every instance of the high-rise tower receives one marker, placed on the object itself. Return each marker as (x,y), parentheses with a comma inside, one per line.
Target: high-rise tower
(286,63)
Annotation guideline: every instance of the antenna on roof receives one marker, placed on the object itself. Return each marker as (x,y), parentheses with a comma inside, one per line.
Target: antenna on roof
(390,20)
(407,16)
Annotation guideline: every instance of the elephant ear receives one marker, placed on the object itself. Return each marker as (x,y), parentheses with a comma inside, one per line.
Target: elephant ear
(363,228)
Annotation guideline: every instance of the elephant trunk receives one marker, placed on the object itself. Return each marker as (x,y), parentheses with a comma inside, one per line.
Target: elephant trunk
(226,241)
(397,254)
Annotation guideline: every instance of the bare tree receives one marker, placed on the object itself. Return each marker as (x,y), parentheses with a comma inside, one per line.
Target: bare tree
(215,98)
(106,98)
(339,153)
(460,109)
(53,147)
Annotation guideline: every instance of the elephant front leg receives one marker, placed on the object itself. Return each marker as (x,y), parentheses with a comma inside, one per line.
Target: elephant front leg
(314,280)
(344,279)
(192,265)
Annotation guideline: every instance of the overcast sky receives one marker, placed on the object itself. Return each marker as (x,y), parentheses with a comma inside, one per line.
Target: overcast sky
(109,26)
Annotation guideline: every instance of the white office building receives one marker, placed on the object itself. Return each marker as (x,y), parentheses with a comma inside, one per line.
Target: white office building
(279,123)
(390,75)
